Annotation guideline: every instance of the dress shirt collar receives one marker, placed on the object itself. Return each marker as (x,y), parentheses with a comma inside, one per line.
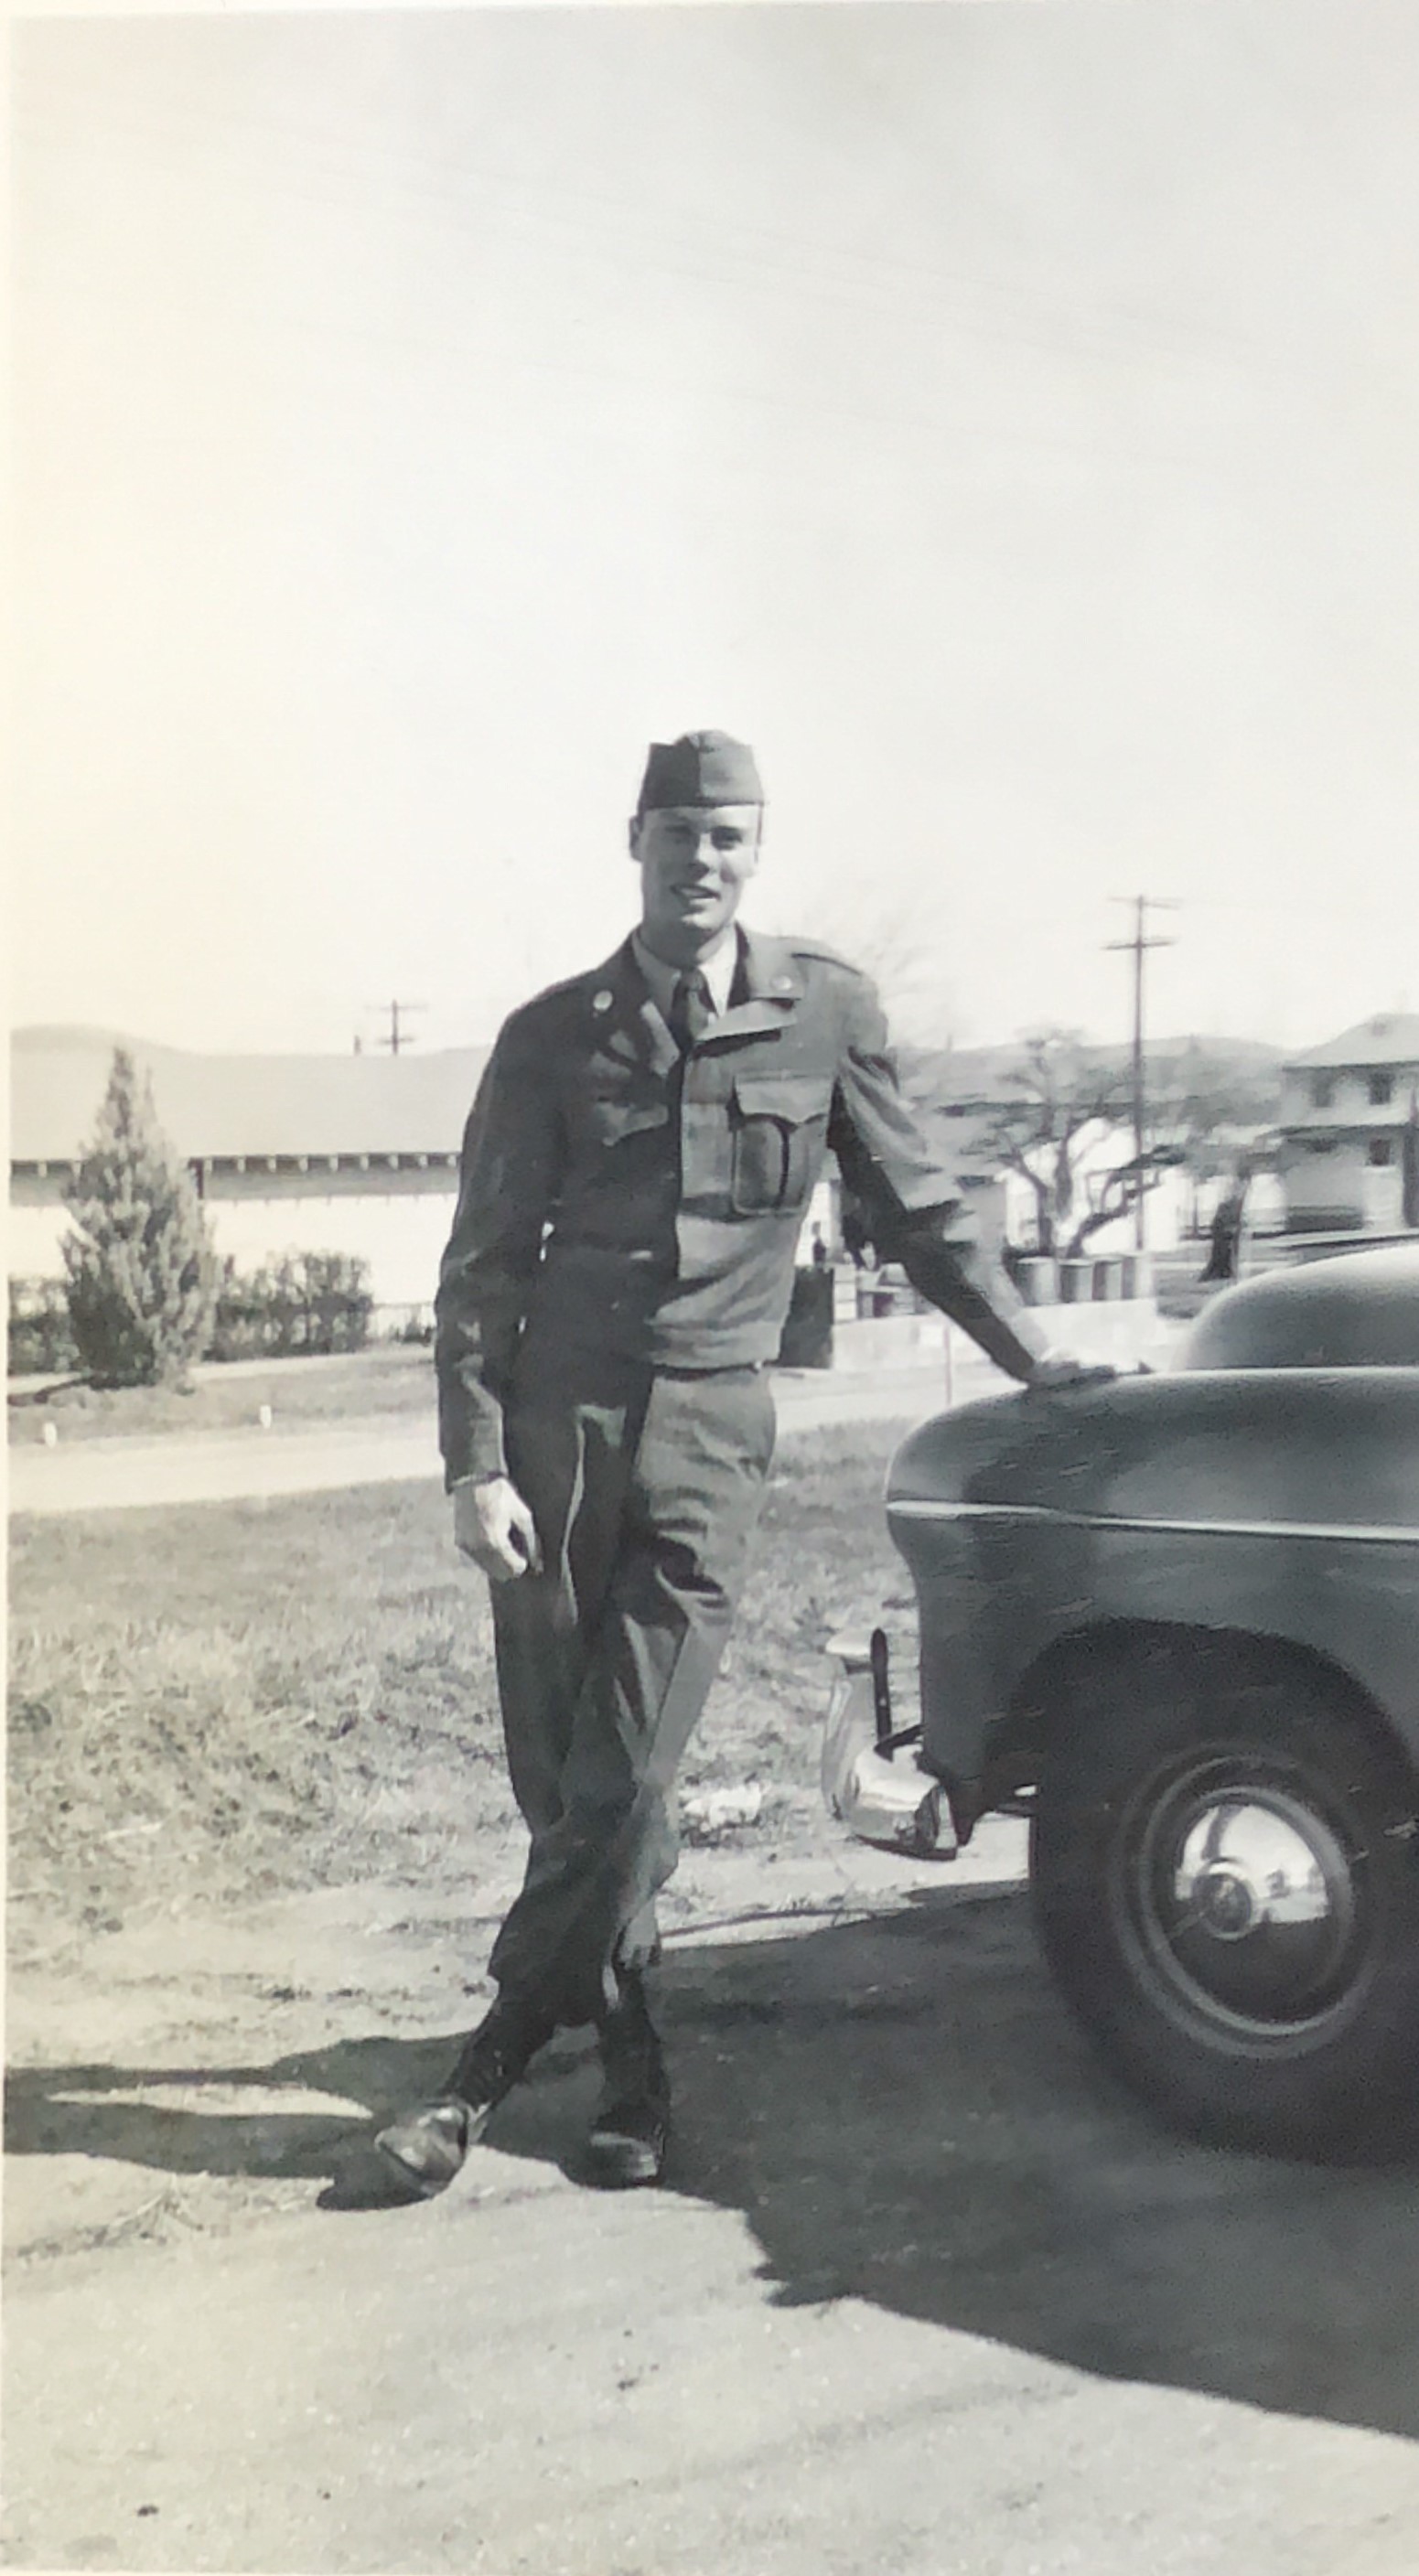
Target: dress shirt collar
(718,972)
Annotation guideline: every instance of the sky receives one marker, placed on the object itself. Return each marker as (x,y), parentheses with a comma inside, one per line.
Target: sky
(1003,413)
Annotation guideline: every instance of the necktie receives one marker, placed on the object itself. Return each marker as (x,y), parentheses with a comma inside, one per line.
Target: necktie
(691,1011)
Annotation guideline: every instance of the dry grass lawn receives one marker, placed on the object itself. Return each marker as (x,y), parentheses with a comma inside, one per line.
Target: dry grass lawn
(390,1377)
(249,1696)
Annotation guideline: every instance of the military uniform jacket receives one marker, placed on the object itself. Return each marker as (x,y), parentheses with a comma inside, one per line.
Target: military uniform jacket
(618,1198)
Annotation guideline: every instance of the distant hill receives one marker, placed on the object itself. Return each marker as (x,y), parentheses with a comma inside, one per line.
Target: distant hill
(981,1074)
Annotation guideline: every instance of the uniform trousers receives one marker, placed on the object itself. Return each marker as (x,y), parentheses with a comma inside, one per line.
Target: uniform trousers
(645,1485)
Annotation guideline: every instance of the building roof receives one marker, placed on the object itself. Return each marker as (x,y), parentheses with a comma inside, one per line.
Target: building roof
(1391,1038)
(216,1107)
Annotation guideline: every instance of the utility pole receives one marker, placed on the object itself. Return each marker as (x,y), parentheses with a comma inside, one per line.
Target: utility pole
(1139,945)
(399,1037)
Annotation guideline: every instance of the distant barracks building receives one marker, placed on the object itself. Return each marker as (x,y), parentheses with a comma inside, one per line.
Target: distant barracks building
(290,1153)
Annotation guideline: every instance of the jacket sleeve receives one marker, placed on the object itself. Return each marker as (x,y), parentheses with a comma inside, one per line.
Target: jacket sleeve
(508,1176)
(916,1213)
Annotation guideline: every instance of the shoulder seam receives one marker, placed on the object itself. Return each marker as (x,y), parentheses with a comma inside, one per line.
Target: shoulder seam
(808,947)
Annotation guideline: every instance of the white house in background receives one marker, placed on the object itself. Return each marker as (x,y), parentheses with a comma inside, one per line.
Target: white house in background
(1344,1106)
(316,1153)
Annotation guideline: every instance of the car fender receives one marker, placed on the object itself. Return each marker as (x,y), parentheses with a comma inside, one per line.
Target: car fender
(1277,1504)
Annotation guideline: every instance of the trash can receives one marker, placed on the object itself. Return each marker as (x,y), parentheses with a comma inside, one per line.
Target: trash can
(1037,1281)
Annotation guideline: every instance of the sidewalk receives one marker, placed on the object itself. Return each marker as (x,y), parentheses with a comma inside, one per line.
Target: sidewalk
(905,1380)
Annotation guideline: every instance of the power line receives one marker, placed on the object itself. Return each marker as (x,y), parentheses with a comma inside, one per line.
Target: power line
(397,1036)
(1139,945)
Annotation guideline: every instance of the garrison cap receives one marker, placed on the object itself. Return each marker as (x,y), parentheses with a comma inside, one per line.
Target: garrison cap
(699,769)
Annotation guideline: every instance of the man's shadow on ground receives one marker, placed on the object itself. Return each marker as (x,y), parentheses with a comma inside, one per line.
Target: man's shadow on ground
(903,2113)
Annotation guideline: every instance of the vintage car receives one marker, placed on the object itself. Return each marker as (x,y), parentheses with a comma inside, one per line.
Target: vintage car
(1175,1619)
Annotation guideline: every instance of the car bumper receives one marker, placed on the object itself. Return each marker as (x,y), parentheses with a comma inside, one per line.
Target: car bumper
(871,1777)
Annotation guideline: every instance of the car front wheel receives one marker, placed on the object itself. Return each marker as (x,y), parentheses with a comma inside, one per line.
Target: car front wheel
(1226,1874)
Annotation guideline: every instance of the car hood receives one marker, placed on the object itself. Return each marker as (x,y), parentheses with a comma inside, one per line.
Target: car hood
(1284,1446)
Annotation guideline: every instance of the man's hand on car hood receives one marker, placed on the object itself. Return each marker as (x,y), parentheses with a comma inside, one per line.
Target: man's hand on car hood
(1060,1369)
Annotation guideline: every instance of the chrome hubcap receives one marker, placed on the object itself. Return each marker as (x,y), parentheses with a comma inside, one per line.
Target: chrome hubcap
(1244,1898)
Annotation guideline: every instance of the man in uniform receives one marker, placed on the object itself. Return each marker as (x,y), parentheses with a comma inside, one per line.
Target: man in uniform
(634,1176)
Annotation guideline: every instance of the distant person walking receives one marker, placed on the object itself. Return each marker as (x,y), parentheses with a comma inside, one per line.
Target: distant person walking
(634,1177)
(1224,1249)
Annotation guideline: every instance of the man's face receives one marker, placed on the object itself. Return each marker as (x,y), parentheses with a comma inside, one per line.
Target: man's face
(695,861)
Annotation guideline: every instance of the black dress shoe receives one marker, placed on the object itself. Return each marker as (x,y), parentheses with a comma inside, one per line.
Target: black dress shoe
(627,2141)
(631,2128)
(426,2146)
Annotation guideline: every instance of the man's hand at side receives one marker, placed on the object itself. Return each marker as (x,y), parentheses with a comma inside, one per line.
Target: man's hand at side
(492,1524)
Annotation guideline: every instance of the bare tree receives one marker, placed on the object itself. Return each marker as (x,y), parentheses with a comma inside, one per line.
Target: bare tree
(1067,1099)
(1063,1096)
(1214,1102)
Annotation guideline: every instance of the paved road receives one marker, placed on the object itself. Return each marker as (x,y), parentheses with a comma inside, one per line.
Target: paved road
(922,2294)
(215,1466)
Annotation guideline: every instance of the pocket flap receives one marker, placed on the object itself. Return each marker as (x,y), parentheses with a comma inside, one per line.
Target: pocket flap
(614,1119)
(791,1097)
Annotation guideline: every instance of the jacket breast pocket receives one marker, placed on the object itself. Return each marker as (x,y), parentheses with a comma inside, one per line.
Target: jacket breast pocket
(777,1125)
